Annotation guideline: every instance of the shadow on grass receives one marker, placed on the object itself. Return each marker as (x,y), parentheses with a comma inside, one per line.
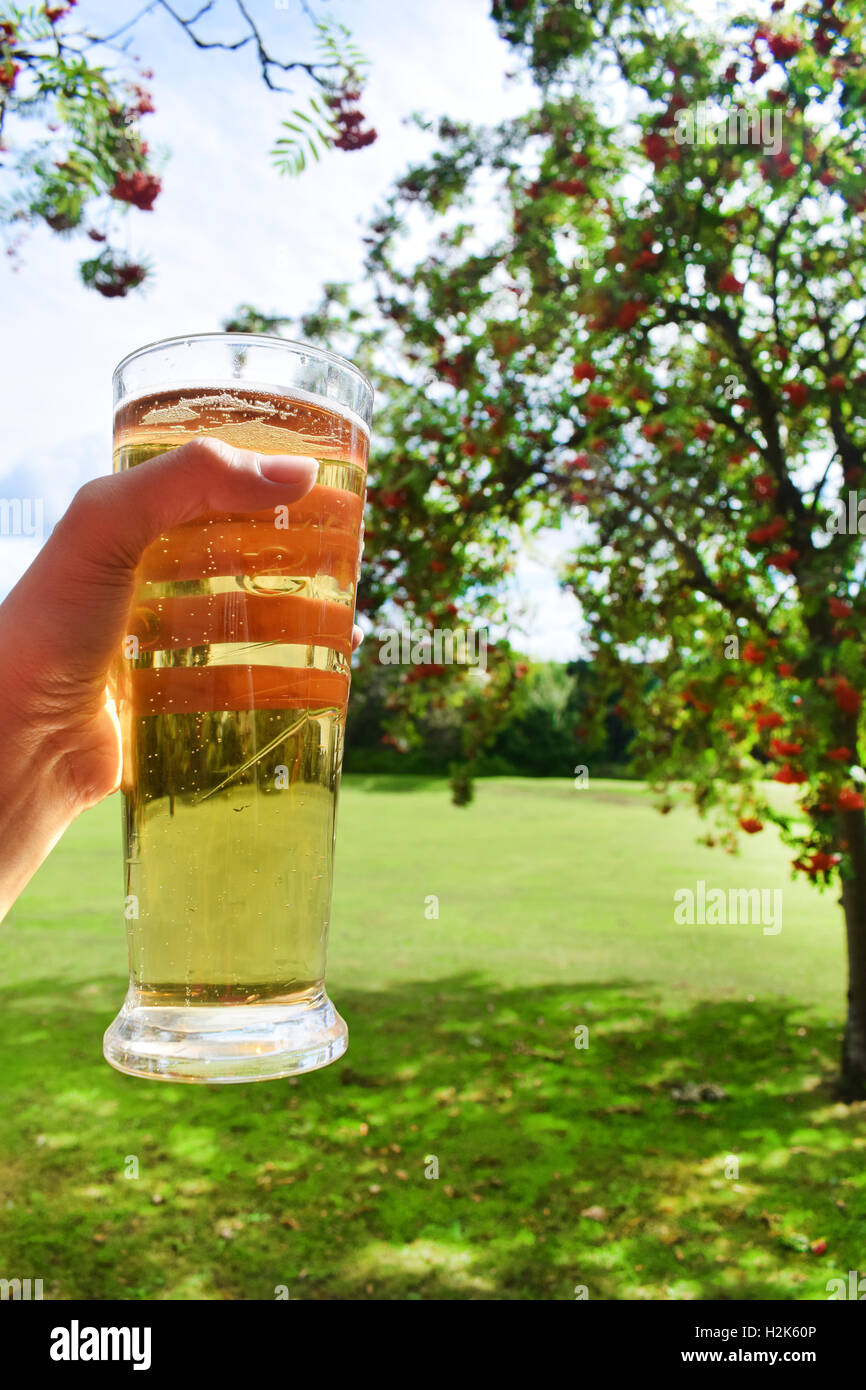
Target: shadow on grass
(558,1166)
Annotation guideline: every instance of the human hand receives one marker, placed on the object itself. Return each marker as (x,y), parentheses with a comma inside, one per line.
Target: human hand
(62,626)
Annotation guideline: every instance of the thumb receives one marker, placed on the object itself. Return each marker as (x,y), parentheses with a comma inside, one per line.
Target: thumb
(65,618)
(122,514)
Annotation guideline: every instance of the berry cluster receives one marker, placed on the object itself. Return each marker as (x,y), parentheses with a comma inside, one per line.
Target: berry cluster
(349,120)
(112,277)
(139,188)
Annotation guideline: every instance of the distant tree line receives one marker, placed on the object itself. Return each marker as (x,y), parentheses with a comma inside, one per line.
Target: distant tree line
(556,722)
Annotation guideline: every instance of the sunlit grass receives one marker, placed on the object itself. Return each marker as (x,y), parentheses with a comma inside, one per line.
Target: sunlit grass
(558,1166)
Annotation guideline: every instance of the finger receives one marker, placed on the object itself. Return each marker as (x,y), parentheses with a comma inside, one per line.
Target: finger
(357,637)
(119,516)
(68,612)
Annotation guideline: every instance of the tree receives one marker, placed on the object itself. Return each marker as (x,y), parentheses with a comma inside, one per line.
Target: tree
(662,338)
(86,93)
(434,557)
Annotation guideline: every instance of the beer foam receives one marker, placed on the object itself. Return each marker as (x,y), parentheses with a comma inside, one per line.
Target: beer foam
(276,439)
(263,399)
(226,401)
(169,415)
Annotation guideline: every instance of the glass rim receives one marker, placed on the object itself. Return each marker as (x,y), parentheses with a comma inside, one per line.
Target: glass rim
(266,339)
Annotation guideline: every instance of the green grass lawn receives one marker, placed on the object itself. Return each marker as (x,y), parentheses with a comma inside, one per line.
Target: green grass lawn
(558,1166)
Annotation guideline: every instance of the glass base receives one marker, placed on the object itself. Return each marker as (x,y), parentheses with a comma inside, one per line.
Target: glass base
(225,1043)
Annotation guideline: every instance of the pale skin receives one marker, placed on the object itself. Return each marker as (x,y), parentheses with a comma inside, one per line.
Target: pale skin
(63,624)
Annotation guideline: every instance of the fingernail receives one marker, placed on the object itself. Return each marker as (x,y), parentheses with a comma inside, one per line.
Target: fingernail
(286,468)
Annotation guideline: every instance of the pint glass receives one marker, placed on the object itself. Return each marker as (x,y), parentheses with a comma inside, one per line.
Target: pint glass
(231,692)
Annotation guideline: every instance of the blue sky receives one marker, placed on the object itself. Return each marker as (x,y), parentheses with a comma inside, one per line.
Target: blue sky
(228,229)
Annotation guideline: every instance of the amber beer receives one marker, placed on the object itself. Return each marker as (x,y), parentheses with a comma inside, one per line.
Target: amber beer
(231,692)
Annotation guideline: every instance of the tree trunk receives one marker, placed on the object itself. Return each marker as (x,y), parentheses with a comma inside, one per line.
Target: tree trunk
(852,1084)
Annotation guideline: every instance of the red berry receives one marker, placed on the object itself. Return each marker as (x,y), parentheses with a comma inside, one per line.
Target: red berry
(781,748)
(839,608)
(629,314)
(790,775)
(771,532)
(784,46)
(584,371)
(784,559)
(847,698)
(765,486)
(796,392)
(138,188)
(729,284)
(769,721)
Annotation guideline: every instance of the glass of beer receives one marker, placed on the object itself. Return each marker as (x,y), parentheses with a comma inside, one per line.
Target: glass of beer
(231,692)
